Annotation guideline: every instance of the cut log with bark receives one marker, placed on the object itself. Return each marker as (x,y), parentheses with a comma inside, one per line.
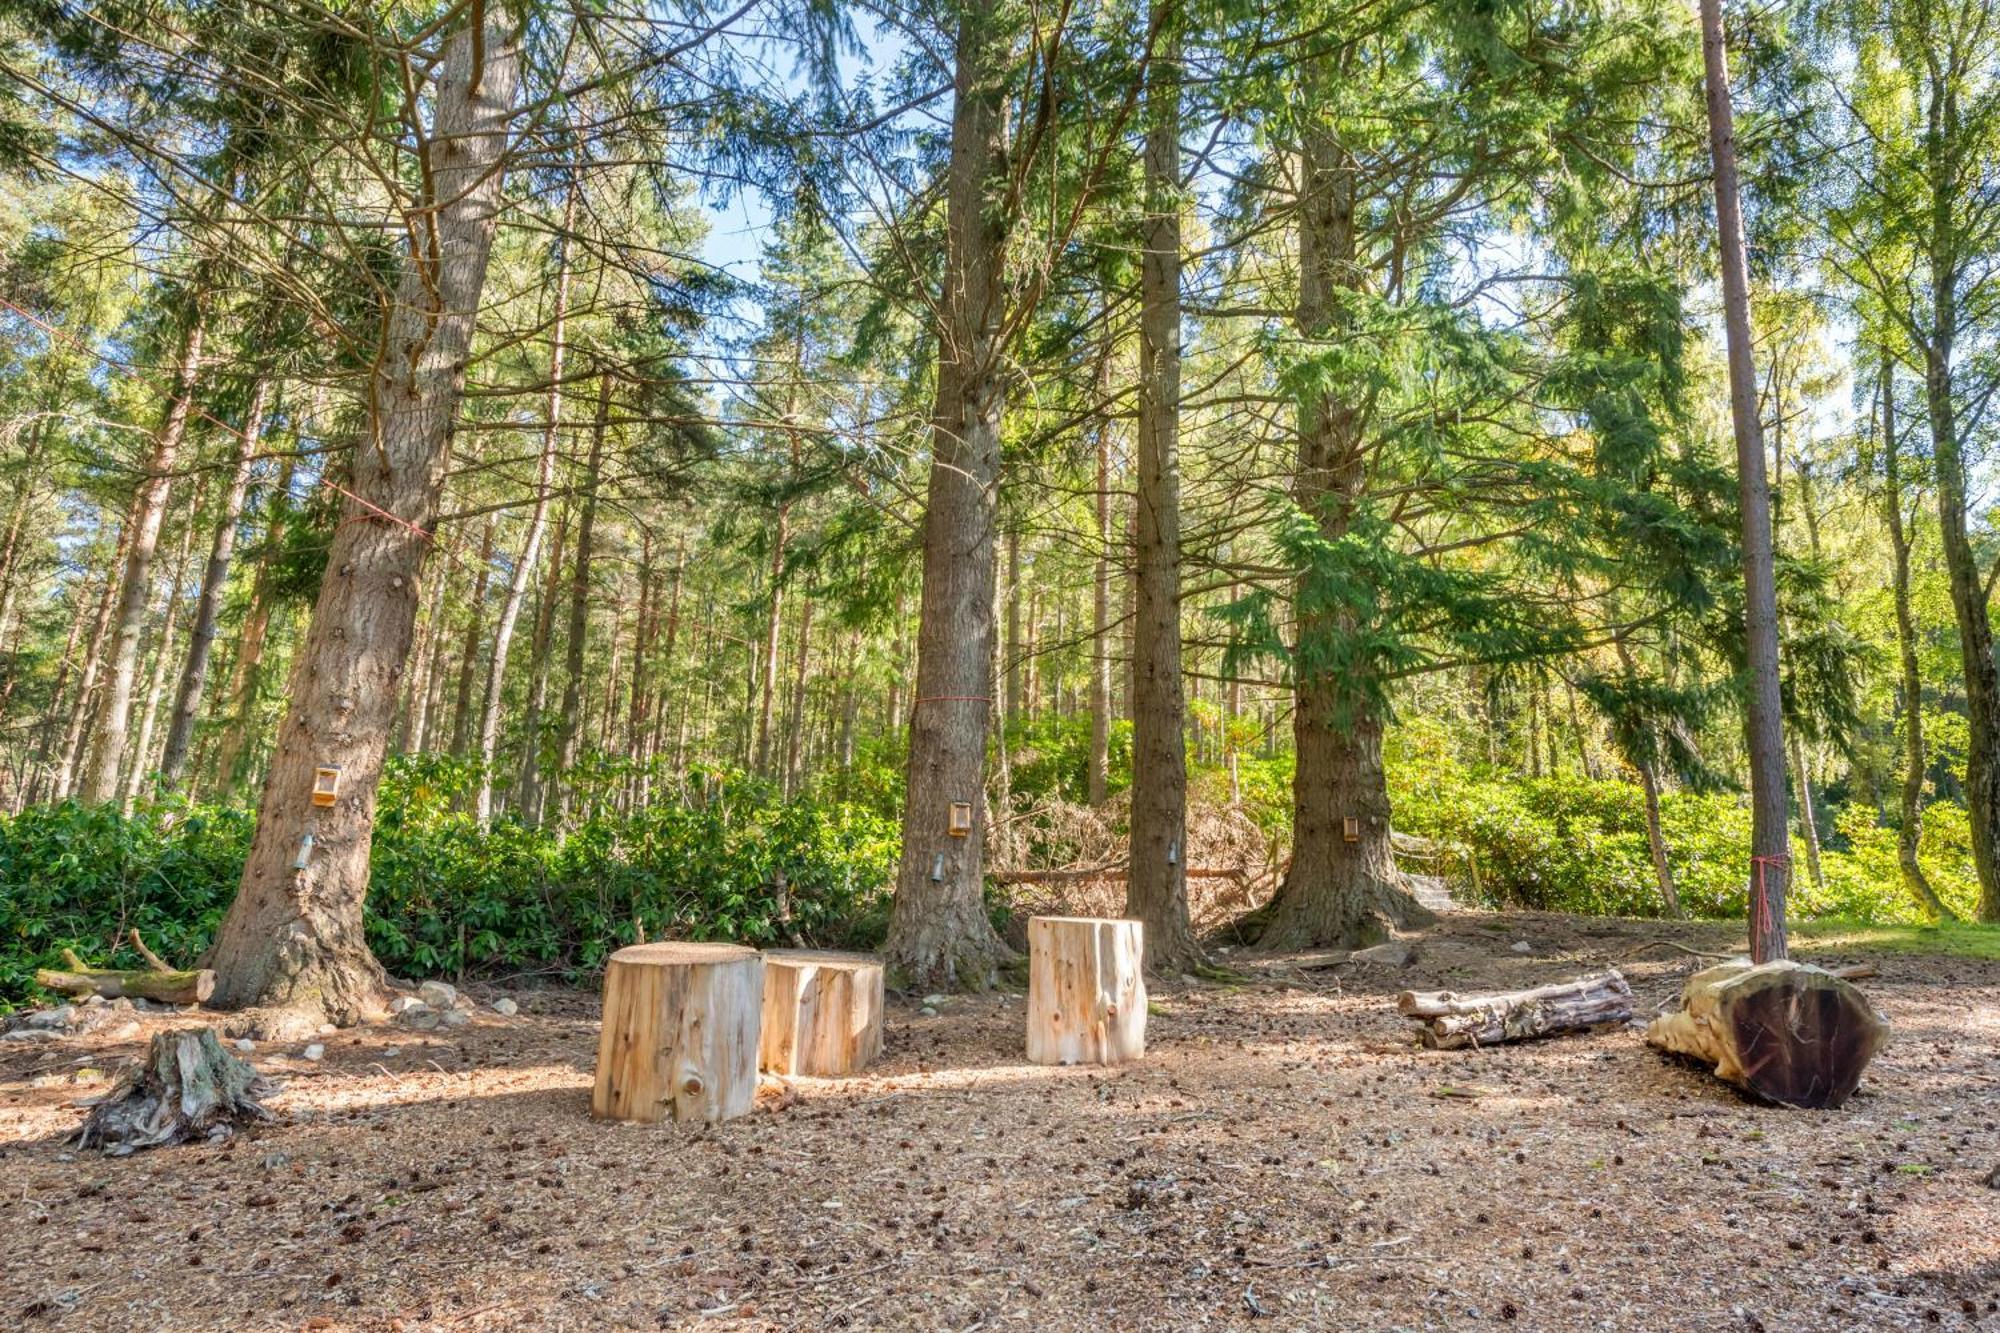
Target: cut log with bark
(822,1013)
(167,987)
(1784,1031)
(680,1033)
(189,1087)
(1086,990)
(1449,1021)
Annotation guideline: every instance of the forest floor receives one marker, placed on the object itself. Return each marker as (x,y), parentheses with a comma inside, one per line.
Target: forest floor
(1282,1158)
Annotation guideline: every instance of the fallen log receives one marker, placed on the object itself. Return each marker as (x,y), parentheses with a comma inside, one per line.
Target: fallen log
(1448,1021)
(187,1088)
(1784,1031)
(189,987)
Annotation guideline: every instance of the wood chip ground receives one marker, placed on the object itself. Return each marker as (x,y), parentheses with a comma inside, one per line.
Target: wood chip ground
(1283,1158)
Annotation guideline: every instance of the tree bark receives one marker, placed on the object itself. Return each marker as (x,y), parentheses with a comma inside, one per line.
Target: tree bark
(1909,830)
(1448,1021)
(579,600)
(1342,887)
(142,522)
(1156,893)
(939,934)
(538,519)
(1770,834)
(170,612)
(425,653)
(1097,778)
(246,670)
(530,792)
(293,937)
(214,579)
(66,772)
(475,633)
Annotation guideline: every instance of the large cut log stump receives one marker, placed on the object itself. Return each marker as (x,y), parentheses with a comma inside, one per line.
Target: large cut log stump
(1784,1031)
(1086,990)
(822,1012)
(1448,1020)
(680,1033)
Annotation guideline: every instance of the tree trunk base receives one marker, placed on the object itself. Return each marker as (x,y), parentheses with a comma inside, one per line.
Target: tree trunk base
(188,1088)
(1783,1031)
(1448,1021)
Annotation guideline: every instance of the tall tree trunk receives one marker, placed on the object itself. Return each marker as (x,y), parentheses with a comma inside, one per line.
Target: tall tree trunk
(939,934)
(1097,777)
(1910,829)
(214,579)
(475,634)
(1015,664)
(149,508)
(1656,842)
(767,661)
(1156,889)
(293,937)
(538,520)
(530,792)
(65,667)
(1342,885)
(170,606)
(800,677)
(571,714)
(1770,835)
(246,670)
(93,662)
(425,653)
(637,732)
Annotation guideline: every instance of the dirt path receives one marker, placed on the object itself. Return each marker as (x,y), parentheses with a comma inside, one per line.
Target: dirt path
(1282,1159)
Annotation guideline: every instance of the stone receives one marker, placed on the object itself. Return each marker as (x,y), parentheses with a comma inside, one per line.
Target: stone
(30,1036)
(392,1052)
(1522,946)
(438,994)
(1392,953)
(123,1031)
(936,1001)
(62,1016)
(928,1011)
(506,1008)
(404,1003)
(455,1018)
(423,1019)
(245,1045)
(313,1052)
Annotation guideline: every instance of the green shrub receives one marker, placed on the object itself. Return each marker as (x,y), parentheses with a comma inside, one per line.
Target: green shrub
(445,897)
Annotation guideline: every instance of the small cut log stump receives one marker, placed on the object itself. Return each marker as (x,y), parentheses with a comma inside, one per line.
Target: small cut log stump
(188,1088)
(822,1013)
(1784,1031)
(680,1033)
(1086,990)
(159,982)
(1448,1021)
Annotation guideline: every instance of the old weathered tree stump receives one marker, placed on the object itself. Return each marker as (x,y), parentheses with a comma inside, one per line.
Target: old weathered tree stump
(1086,990)
(822,1012)
(1784,1031)
(680,1033)
(1449,1020)
(188,1088)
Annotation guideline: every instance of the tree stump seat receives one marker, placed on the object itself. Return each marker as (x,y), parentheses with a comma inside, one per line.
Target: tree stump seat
(1086,990)
(680,1033)
(822,1012)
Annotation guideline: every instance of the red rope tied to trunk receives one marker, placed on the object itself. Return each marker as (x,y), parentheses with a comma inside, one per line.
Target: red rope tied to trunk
(1760,905)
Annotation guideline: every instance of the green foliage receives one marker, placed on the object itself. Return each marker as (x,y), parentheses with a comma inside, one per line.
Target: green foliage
(448,899)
